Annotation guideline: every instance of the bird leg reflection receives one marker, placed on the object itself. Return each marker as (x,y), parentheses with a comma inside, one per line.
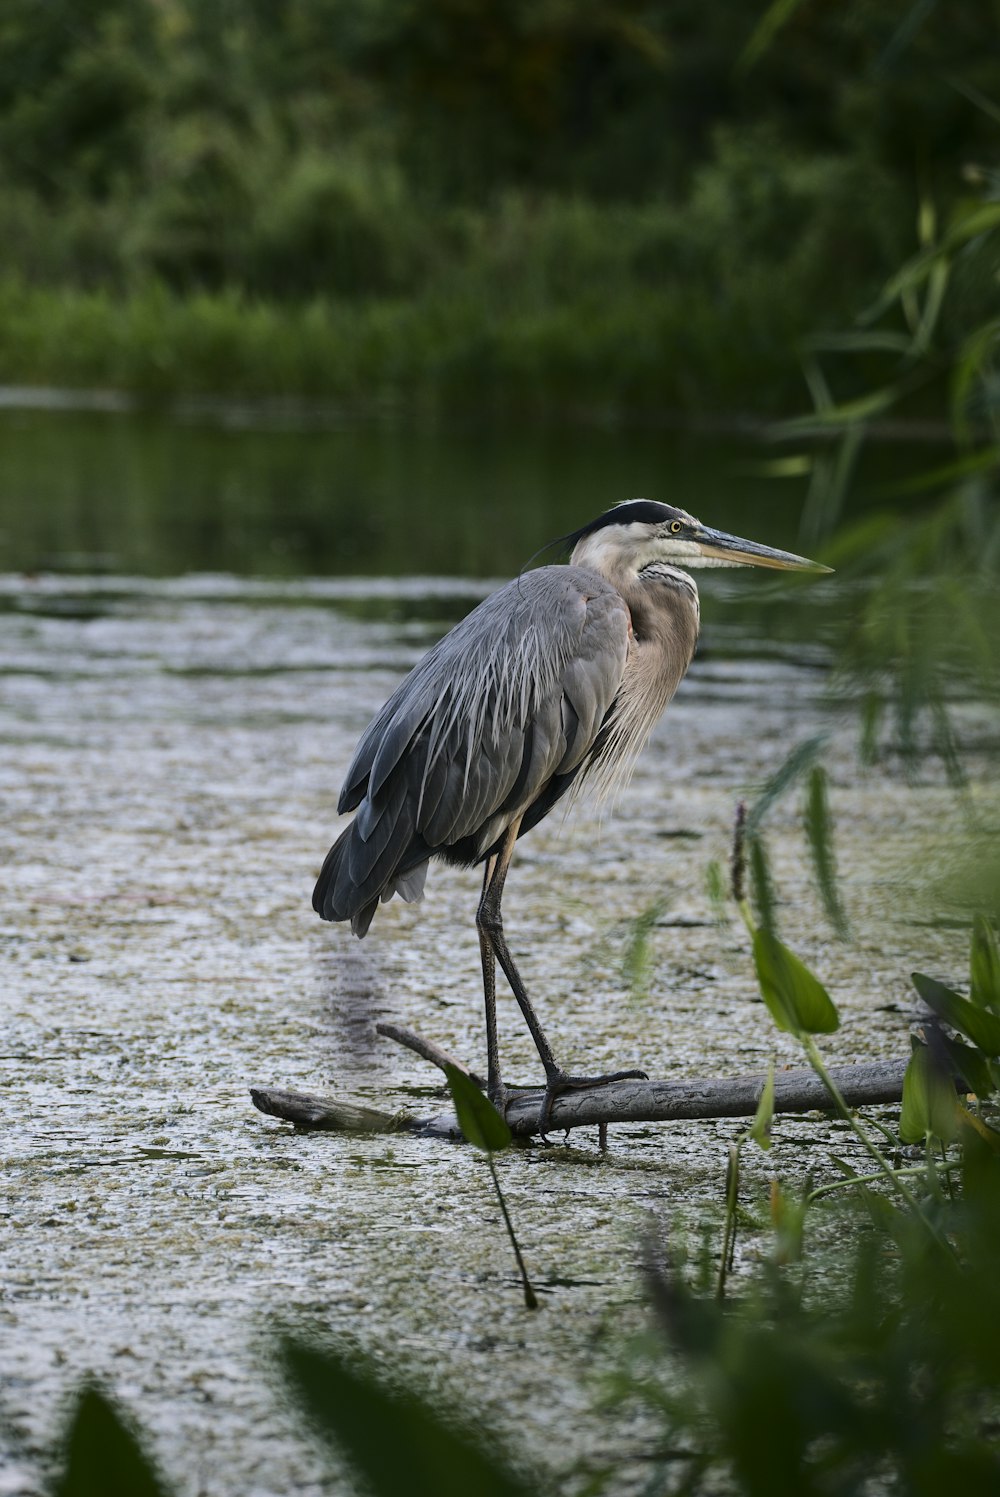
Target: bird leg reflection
(493,948)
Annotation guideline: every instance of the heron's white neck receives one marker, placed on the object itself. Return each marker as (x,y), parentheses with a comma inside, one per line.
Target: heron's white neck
(653,589)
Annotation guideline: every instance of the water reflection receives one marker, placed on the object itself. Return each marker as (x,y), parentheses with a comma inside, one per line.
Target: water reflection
(137,493)
(389,524)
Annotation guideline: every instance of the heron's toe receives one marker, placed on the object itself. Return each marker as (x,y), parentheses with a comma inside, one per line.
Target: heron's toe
(558,1082)
(500,1097)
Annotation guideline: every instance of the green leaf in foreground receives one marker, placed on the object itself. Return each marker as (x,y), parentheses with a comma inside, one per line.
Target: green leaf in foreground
(395,1441)
(801,758)
(930,1107)
(637,959)
(820,834)
(969,1063)
(715,887)
(985,965)
(797,1000)
(777,15)
(478,1119)
(763,884)
(485,1129)
(760,1129)
(977,1024)
(103,1456)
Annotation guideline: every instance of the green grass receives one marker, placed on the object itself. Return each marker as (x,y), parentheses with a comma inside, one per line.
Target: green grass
(530,303)
(651,352)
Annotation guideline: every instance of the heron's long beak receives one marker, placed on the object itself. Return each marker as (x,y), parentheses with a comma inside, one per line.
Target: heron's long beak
(731,550)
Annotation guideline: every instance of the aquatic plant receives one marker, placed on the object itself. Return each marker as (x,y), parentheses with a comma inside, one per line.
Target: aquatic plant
(923,626)
(485,1129)
(890,1382)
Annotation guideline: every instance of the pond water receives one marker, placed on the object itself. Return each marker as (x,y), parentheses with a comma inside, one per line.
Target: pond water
(189,651)
(145,494)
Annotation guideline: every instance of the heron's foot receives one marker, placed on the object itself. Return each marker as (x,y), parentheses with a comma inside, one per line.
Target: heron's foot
(500,1097)
(558,1082)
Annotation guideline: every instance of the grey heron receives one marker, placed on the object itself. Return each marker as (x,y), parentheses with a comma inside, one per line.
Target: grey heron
(552,684)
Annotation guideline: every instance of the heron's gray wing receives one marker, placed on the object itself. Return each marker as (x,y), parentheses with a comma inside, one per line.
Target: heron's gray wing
(513,695)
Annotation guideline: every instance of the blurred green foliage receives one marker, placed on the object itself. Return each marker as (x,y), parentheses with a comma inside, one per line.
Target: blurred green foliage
(887,1383)
(103,1455)
(926,555)
(394,1440)
(591,195)
(868,1368)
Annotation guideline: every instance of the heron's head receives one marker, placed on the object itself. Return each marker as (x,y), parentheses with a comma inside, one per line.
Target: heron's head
(640,531)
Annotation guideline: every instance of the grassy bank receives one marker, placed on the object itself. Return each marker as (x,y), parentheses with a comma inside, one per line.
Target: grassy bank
(533,301)
(648,352)
(467,205)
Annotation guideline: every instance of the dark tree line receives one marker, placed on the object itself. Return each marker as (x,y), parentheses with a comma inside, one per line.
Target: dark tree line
(345,146)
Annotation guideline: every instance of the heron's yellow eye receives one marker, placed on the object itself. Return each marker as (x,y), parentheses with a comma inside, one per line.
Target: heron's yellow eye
(676,527)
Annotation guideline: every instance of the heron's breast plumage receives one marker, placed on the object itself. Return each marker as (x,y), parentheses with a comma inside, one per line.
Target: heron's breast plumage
(665,613)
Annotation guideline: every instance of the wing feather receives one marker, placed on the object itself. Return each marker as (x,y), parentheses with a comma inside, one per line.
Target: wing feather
(506,705)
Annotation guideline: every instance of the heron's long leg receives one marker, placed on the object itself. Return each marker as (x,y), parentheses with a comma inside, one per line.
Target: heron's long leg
(494,1086)
(490,924)
(493,945)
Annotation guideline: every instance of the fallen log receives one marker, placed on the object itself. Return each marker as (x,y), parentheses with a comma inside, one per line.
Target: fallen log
(618,1102)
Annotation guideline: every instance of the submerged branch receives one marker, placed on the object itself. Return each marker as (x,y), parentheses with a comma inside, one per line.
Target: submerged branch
(618,1102)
